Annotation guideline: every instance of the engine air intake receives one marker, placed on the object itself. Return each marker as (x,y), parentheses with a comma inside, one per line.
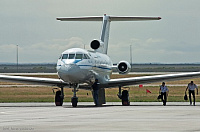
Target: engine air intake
(95,44)
(123,67)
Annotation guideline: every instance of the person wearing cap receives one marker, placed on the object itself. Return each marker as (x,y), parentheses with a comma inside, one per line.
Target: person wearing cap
(191,86)
(95,88)
(164,92)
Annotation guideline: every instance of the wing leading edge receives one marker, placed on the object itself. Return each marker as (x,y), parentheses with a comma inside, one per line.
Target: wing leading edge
(40,81)
(34,80)
(150,79)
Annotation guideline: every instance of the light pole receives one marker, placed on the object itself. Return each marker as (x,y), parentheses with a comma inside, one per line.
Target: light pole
(17,58)
(131,56)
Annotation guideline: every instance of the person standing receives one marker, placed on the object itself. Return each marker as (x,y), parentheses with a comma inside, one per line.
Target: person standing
(191,86)
(164,92)
(95,88)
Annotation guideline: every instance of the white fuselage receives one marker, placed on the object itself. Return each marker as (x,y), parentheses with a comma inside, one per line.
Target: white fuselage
(81,66)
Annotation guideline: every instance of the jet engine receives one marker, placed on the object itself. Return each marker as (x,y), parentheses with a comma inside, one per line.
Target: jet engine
(123,67)
(95,44)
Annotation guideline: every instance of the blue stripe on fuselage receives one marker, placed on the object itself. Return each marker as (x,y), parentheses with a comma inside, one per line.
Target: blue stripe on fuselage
(97,67)
(76,61)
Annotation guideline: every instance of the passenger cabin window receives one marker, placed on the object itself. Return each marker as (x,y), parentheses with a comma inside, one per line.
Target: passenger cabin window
(65,56)
(79,56)
(71,56)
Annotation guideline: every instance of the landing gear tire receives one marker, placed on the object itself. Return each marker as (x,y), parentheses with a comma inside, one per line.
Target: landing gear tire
(74,101)
(58,99)
(125,98)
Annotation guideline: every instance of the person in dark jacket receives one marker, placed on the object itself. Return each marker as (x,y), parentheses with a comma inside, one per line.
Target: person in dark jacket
(95,88)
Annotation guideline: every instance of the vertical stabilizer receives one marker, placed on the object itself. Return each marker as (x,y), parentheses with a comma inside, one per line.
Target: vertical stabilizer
(105,33)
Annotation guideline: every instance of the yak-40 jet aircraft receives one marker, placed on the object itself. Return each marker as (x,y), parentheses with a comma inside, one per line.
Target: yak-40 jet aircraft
(77,68)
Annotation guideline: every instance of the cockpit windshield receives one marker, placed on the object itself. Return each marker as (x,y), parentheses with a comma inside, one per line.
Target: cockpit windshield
(79,56)
(75,56)
(71,56)
(65,56)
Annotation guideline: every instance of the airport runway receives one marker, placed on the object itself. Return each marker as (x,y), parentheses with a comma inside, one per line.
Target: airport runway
(140,116)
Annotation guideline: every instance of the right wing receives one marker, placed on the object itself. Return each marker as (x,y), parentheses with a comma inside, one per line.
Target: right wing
(34,80)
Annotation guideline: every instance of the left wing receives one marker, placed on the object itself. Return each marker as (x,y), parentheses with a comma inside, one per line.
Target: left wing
(150,79)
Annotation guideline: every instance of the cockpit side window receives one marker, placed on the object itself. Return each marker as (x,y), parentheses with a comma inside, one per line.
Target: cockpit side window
(79,56)
(71,56)
(65,56)
(85,56)
(60,57)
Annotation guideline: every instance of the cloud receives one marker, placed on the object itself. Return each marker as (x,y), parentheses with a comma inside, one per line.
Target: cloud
(57,44)
(47,51)
(121,50)
(7,46)
(8,52)
(154,50)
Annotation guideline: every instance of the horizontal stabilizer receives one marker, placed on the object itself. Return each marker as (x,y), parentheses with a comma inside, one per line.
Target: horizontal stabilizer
(99,18)
(133,18)
(112,18)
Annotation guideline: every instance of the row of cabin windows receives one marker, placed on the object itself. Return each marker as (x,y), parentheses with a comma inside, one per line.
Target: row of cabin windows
(75,56)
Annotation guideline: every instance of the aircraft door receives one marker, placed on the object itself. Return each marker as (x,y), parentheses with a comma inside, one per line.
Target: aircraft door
(95,62)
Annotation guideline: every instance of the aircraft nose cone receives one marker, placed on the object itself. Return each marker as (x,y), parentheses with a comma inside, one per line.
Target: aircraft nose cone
(69,68)
(69,72)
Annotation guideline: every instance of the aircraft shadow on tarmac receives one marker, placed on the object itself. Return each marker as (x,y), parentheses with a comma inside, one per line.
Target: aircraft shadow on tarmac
(91,106)
(27,106)
(103,106)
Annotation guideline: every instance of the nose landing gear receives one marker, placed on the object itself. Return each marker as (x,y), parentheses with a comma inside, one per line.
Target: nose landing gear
(74,99)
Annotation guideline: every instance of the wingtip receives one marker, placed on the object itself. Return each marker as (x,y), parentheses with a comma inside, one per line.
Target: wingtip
(57,18)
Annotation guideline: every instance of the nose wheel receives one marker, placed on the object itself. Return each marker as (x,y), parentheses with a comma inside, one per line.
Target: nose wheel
(74,99)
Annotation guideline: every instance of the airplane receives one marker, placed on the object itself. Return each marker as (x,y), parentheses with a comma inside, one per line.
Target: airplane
(77,68)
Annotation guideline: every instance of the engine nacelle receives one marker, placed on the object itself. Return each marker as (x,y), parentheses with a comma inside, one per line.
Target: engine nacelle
(123,67)
(96,44)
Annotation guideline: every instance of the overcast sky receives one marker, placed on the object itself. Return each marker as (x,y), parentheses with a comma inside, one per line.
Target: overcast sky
(41,38)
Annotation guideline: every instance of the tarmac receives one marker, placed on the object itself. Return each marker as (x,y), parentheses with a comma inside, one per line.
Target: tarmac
(139,116)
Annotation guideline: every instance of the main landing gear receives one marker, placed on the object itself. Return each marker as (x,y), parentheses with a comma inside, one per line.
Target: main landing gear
(59,96)
(74,99)
(124,96)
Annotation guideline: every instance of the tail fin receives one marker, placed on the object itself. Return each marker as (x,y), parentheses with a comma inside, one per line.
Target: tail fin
(106,25)
(105,33)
